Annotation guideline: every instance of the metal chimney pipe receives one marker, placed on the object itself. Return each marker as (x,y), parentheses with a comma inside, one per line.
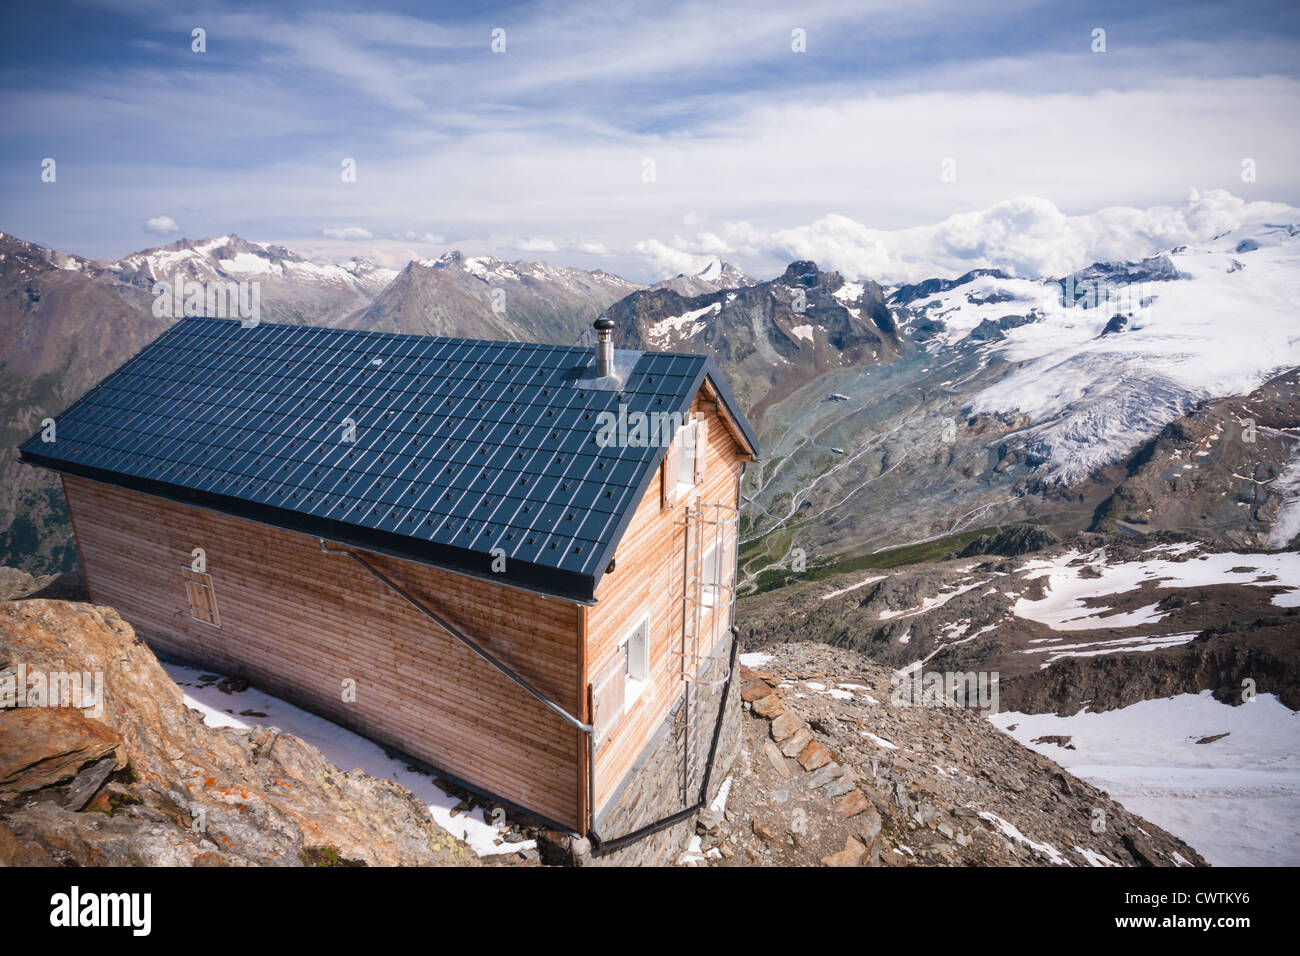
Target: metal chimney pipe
(604,347)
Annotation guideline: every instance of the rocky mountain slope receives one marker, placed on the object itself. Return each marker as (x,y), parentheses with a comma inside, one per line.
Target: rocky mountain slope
(133,777)
(1012,399)
(1094,623)
(831,772)
(770,338)
(836,772)
(487,298)
(1227,471)
(1166,672)
(65,324)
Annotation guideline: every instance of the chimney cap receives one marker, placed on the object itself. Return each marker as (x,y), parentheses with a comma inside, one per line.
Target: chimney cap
(603,324)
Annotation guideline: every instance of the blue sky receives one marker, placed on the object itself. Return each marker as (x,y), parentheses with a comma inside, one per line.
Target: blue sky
(759,152)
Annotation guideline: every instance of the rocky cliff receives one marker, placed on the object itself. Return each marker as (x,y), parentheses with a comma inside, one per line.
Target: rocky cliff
(838,772)
(133,777)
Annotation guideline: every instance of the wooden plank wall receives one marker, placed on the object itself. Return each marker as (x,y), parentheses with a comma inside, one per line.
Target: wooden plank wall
(648,577)
(298,622)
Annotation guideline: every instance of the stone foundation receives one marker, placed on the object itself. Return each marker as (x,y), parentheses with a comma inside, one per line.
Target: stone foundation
(653,788)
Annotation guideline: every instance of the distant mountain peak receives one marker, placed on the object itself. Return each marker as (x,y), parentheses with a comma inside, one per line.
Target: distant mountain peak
(801,272)
(714,277)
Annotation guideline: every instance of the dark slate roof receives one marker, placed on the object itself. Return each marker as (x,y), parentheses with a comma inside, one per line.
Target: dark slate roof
(462,446)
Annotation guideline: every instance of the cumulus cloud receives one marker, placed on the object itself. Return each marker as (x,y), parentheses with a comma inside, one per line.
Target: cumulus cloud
(161,226)
(680,256)
(532,244)
(345,232)
(537,244)
(1025,236)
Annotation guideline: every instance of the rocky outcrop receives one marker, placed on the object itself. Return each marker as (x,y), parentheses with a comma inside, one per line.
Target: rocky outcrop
(134,777)
(769,338)
(961,614)
(1017,539)
(838,773)
(1215,473)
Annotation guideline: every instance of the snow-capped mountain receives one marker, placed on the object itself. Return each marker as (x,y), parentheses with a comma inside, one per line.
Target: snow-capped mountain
(1018,398)
(486,297)
(771,338)
(713,277)
(1141,344)
(888,415)
(293,288)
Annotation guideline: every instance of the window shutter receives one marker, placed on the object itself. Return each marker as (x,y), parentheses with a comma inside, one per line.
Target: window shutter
(668,475)
(607,698)
(701,448)
(203,601)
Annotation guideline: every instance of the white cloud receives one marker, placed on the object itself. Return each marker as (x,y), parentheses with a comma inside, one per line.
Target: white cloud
(345,232)
(538,244)
(768,151)
(161,226)
(532,244)
(1026,236)
(671,259)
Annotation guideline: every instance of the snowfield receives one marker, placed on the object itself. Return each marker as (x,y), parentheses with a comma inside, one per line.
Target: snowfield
(1062,608)
(341,747)
(1222,328)
(1235,799)
(1287,524)
(661,334)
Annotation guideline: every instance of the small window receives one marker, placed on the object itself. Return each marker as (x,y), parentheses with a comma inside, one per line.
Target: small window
(683,462)
(636,660)
(686,438)
(203,600)
(714,576)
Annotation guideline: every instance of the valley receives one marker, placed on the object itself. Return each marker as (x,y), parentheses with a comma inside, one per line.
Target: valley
(1088,485)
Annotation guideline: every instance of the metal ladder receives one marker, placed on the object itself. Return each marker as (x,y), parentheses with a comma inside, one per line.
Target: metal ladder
(706,525)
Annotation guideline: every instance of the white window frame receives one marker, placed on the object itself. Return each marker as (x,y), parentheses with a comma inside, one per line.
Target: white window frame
(686,451)
(635,651)
(714,574)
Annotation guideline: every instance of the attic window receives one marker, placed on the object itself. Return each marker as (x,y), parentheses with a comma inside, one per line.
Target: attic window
(203,600)
(686,456)
(683,467)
